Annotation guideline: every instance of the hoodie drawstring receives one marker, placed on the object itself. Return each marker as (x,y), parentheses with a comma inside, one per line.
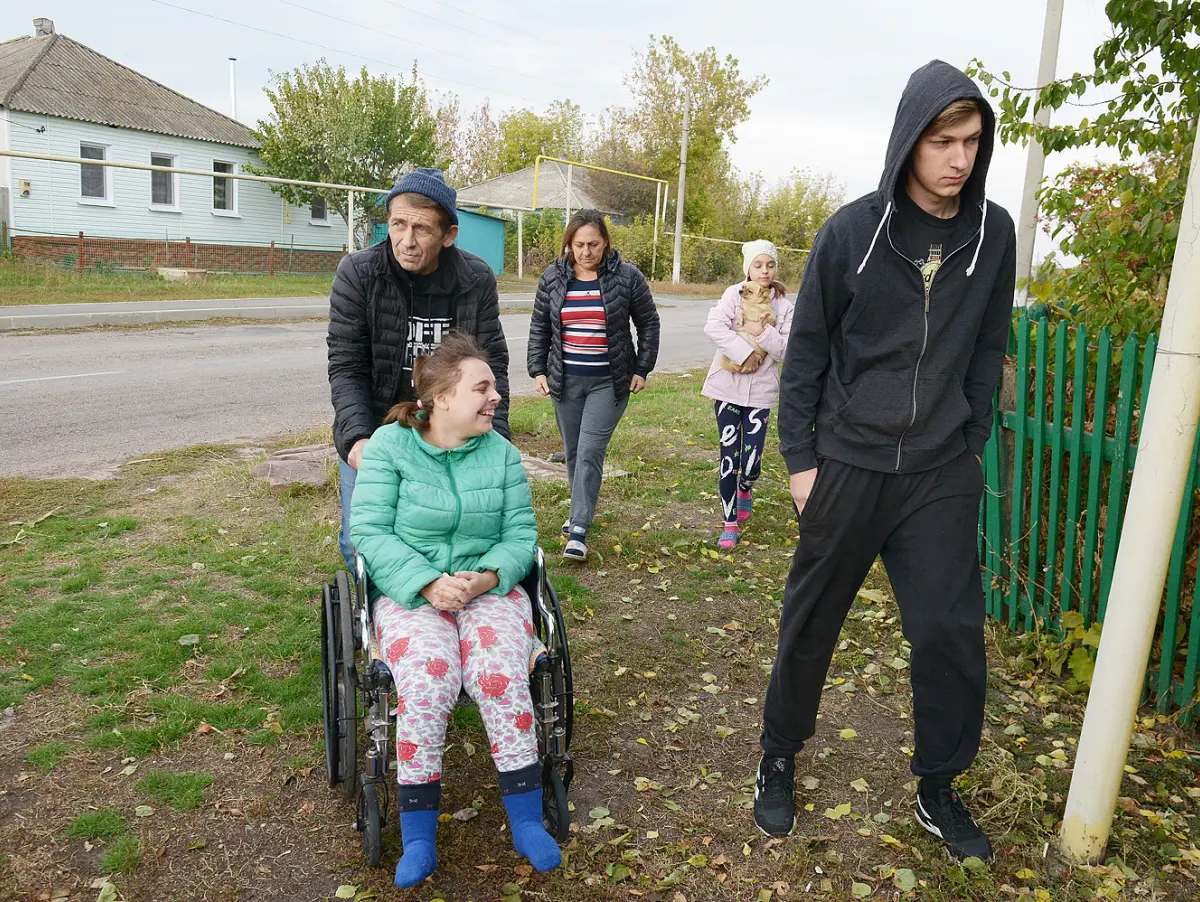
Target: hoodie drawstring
(982,226)
(887,211)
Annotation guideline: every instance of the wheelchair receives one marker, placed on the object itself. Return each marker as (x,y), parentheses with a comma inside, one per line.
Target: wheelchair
(357,687)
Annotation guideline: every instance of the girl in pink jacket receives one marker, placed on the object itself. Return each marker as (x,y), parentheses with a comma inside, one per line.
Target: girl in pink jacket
(743,400)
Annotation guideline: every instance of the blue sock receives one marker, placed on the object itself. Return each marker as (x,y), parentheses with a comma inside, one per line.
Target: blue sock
(418,829)
(529,836)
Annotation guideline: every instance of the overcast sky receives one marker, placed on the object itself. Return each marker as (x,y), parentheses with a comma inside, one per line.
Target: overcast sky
(836,68)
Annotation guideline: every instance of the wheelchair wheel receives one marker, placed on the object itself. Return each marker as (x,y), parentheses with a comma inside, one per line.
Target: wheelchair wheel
(329,692)
(346,689)
(556,815)
(369,824)
(568,680)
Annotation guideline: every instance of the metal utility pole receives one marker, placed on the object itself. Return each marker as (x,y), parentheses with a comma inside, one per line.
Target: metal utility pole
(1035,162)
(687,111)
(233,87)
(1165,450)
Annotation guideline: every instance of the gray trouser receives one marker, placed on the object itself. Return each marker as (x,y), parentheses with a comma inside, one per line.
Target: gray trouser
(587,414)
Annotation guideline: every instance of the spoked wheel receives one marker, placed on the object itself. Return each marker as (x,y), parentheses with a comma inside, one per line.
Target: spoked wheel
(369,824)
(346,689)
(568,681)
(329,693)
(556,816)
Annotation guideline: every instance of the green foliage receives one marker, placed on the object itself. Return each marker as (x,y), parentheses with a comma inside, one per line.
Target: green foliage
(644,138)
(1077,651)
(325,127)
(1122,220)
(524,135)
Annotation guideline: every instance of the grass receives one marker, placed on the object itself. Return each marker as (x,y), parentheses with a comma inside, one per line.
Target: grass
(100,824)
(182,791)
(123,856)
(671,642)
(28,284)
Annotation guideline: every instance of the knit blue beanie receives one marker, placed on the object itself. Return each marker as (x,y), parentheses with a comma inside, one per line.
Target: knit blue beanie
(432,184)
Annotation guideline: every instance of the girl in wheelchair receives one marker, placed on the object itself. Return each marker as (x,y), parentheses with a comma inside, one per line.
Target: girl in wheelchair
(443,519)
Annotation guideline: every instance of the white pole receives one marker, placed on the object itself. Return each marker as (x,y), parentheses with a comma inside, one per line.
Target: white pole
(654,247)
(567,211)
(350,224)
(1035,161)
(687,108)
(233,86)
(1164,455)
(520,244)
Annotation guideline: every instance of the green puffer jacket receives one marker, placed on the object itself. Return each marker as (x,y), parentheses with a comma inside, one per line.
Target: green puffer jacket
(420,511)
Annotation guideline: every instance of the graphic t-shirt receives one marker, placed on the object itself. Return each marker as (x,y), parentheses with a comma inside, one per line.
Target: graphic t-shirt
(922,237)
(430,316)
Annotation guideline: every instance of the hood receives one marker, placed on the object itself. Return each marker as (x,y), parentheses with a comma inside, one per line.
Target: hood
(608,265)
(930,90)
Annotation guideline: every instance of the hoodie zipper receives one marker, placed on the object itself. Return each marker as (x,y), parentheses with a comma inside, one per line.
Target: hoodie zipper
(457,510)
(925,337)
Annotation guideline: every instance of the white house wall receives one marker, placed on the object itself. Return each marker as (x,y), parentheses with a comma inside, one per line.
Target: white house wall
(55,204)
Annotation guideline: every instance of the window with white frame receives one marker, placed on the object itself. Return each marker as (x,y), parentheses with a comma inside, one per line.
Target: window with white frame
(319,211)
(224,190)
(164,186)
(94,184)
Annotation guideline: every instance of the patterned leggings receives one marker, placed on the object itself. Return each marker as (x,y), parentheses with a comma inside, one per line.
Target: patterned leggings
(485,648)
(743,434)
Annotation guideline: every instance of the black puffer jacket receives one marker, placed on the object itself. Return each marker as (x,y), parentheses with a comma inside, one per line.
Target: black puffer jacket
(368,325)
(626,297)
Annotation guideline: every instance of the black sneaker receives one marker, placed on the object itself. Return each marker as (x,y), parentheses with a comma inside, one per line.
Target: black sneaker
(942,813)
(774,796)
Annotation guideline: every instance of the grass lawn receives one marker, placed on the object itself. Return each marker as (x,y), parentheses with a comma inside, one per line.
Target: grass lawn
(159,646)
(22,285)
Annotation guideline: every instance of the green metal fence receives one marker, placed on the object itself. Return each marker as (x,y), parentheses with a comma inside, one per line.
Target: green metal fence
(1058,467)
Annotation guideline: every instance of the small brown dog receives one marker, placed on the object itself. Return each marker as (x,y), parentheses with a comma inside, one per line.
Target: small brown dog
(756,307)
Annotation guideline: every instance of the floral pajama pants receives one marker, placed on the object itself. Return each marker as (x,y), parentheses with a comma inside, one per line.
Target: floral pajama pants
(485,649)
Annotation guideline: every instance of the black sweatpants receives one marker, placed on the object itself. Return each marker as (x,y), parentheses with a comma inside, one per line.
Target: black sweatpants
(925,527)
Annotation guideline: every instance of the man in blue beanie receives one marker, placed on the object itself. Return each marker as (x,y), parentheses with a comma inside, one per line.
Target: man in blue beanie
(393,302)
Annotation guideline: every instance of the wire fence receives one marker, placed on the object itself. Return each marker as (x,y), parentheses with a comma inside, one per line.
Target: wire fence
(105,254)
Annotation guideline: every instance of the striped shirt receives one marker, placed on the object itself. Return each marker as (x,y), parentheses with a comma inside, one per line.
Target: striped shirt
(584,331)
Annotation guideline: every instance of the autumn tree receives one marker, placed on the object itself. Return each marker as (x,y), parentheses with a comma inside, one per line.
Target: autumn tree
(327,127)
(1121,220)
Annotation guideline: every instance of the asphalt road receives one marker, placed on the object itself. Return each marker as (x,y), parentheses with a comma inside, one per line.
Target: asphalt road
(77,404)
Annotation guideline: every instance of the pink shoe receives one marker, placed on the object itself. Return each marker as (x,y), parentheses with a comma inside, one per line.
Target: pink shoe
(745,504)
(729,538)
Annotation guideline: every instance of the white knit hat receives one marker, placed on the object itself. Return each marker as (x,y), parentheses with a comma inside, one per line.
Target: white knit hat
(752,249)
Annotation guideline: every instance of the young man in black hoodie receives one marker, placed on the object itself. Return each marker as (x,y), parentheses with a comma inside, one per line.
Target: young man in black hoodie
(896,347)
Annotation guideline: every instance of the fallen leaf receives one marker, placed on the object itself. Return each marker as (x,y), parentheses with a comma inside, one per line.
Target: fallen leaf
(598,812)
(108,893)
(465,814)
(143,811)
(860,785)
(860,890)
(848,733)
(189,639)
(128,771)
(345,891)
(810,782)
(839,812)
